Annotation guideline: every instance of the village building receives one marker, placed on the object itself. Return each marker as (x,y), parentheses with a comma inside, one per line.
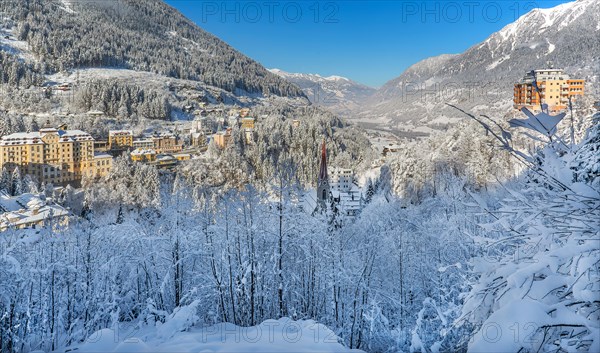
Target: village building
(338,188)
(244,112)
(391,148)
(143,144)
(203,124)
(143,155)
(120,139)
(548,86)
(103,163)
(222,138)
(166,143)
(234,112)
(233,120)
(182,156)
(248,129)
(197,139)
(53,156)
(342,179)
(95,113)
(63,87)
(248,123)
(165,161)
(29,211)
(101,146)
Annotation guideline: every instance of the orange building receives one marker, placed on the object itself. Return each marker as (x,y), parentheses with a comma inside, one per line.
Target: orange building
(554,88)
(222,138)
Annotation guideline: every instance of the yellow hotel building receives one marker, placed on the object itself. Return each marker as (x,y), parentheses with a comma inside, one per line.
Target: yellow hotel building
(53,156)
(555,89)
(120,139)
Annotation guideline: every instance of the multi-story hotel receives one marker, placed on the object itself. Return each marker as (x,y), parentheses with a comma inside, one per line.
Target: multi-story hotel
(120,139)
(143,144)
(166,143)
(53,156)
(554,88)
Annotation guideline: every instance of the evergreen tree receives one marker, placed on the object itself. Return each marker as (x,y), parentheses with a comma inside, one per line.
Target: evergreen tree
(33,125)
(5,182)
(370,191)
(30,185)
(120,216)
(16,183)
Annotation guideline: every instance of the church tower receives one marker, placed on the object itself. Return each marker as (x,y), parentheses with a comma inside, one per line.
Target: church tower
(323,182)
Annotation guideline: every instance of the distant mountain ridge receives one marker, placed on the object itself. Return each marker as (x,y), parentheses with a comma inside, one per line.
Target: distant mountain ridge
(481,79)
(339,94)
(141,35)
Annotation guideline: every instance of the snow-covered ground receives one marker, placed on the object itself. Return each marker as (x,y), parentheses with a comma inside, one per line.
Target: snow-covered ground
(10,44)
(284,335)
(105,73)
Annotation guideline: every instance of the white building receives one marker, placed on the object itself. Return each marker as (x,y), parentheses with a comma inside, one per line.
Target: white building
(345,191)
(143,144)
(29,211)
(342,179)
(337,187)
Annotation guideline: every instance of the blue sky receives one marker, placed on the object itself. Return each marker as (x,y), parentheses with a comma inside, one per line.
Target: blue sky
(368,41)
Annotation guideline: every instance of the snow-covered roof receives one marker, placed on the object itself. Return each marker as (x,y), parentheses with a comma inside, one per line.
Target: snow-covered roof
(15,203)
(309,201)
(120,132)
(34,138)
(161,135)
(141,152)
(28,217)
(102,155)
(27,209)
(164,157)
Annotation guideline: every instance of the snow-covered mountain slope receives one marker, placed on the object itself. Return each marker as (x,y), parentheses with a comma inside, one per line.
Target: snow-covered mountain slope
(337,93)
(481,79)
(141,35)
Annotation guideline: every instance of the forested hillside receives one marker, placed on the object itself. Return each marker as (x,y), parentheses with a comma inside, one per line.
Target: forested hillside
(140,35)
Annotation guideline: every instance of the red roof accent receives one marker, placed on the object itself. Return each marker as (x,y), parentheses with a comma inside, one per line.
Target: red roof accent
(323,171)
